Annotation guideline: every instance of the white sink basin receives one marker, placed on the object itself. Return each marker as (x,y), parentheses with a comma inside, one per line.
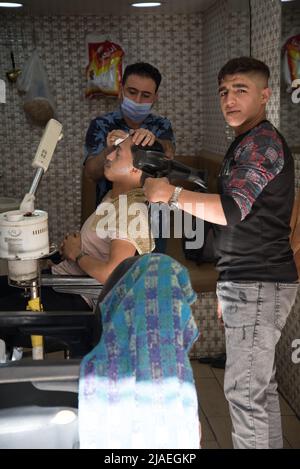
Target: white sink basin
(8,203)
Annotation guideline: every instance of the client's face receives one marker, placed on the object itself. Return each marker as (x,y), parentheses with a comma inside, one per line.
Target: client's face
(119,164)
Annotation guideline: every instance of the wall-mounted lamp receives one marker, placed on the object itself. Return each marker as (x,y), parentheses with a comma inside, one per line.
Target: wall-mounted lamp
(146,4)
(10,5)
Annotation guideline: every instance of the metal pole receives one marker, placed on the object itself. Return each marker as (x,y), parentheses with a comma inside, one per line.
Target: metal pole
(37,179)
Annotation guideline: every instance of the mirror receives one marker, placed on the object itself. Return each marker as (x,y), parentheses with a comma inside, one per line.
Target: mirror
(290,69)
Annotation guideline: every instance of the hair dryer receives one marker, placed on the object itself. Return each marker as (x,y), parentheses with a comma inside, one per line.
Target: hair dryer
(155,164)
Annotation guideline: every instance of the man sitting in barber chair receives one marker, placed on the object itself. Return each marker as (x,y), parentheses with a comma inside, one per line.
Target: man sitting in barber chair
(115,231)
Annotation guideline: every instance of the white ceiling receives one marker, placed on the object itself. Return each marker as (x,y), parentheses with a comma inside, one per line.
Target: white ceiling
(107,7)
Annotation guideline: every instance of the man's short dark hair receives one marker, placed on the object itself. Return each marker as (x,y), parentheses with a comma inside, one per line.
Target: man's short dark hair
(244,65)
(142,69)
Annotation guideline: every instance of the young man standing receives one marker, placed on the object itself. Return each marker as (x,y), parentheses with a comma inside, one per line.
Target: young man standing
(257,282)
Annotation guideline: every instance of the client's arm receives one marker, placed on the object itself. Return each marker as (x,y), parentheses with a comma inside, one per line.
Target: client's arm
(119,250)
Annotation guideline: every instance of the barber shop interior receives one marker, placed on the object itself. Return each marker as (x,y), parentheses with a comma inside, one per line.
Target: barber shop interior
(150,226)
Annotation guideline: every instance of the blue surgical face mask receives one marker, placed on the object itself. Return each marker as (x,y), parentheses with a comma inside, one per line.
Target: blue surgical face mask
(136,112)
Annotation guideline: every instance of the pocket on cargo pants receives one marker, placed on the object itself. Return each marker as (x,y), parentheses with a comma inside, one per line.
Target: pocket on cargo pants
(240,311)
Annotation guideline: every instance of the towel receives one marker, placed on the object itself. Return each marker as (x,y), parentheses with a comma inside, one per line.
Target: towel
(136,387)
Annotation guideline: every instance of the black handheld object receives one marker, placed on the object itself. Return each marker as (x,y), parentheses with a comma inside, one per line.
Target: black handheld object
(155,164)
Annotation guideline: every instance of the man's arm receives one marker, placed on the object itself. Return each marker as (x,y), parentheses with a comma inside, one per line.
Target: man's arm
(168,146)
(93,170)
(166,138)
(205,206)
(94,165)
(119,251)
(258,163)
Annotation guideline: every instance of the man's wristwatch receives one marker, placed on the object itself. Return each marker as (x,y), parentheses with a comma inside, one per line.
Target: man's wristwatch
(80,255)
(173,201)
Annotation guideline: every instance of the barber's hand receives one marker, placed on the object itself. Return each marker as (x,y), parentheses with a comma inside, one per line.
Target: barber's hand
(143,137)
(71,246)
(158,190)
(114,135)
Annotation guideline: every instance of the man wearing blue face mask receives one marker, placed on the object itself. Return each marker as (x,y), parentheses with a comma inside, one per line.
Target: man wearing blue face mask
(140,84)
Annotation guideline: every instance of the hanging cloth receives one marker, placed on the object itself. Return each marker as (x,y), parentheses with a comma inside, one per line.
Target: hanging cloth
(136,386)
(291,61)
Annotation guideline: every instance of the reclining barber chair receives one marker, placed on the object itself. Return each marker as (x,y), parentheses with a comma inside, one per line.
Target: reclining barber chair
(39,398)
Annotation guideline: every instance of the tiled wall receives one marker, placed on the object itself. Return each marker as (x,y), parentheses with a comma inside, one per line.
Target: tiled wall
(211,339)
(289,111)
(214,56)
(288,370)
(225,35)
(266,38)
(172,43)
(267,45)
(297,170)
